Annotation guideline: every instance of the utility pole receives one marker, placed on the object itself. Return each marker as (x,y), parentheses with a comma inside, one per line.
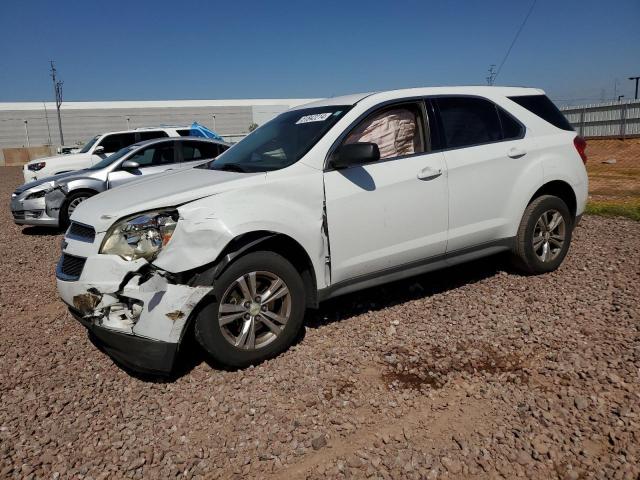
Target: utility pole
(492,74)
(620,97)
(57,90)
(46,117)
(636,79)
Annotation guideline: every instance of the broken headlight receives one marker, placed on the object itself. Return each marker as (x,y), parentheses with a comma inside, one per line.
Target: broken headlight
(41,192)
(141,236)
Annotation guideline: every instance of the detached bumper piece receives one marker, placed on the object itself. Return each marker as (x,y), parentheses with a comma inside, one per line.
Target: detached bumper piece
(136,353)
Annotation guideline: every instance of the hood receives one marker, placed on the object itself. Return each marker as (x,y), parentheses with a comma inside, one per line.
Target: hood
(59,157)
(167,189)
(52,178)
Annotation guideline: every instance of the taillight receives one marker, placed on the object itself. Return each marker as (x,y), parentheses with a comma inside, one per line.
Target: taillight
(581,146)
(34,167)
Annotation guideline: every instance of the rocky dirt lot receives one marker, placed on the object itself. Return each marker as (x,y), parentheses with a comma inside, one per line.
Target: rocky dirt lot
(473,372)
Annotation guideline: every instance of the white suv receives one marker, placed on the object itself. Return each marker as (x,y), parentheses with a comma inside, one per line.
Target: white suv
(95,150)
(325,199)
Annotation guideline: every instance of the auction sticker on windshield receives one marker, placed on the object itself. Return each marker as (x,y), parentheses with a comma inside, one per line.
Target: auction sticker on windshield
(318,117)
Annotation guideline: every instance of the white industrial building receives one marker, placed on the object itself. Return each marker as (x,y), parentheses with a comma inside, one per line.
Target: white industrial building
(32,124)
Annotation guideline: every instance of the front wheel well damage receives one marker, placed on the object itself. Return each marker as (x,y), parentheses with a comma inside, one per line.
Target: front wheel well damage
(278,243)
(559,189)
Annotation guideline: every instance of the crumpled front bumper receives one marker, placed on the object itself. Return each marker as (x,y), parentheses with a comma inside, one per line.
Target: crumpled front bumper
(136,313)
(32,212)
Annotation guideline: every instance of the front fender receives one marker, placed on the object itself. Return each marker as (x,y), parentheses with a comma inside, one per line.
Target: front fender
(291,205)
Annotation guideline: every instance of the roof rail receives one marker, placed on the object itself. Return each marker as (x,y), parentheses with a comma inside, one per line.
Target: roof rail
(163,126)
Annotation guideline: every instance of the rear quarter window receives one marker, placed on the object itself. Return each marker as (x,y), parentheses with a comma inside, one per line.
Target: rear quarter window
(544,108)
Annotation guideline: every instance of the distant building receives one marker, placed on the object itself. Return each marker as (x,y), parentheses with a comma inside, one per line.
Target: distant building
(82,120)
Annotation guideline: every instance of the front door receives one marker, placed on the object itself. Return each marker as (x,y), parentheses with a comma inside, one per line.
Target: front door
(156,158)
(392,212)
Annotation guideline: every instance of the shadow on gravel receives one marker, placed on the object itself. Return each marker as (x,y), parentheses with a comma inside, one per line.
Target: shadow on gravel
(191,354)
(42,231)
(388,295)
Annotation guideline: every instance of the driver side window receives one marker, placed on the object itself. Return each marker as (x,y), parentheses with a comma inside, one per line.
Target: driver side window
(397,130)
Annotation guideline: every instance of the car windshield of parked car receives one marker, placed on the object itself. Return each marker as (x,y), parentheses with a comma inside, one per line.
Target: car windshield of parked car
(281,142)
(105,162)
(89,144)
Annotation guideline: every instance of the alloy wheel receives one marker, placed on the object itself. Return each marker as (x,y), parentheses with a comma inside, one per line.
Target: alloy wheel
(549,235)
(254,310)
(73,205)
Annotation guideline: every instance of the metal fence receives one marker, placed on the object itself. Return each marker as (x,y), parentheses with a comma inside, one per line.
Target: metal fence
(606,120)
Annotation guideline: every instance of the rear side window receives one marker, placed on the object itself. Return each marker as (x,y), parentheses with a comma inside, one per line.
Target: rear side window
(469,121)
(150,135)
(199,151)
(511,128)
(184,133)
(544,108)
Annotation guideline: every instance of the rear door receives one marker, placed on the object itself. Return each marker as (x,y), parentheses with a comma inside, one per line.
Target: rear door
(155,158)
(486,150)
(390,213)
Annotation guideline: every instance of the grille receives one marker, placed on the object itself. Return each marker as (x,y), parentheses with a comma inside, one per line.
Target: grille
(71,266)
(81,232)
(25,214)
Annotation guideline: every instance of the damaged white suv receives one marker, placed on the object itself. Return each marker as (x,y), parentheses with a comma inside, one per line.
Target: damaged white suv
(325,199)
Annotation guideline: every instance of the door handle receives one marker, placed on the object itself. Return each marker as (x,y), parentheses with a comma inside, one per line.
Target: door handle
(516,152)
(428,173)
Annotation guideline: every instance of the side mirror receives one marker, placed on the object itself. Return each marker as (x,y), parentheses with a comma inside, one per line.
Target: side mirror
(130,165)
(98,150)
(355,154)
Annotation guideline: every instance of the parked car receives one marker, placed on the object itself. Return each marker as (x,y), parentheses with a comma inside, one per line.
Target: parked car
(65,150)
(327,198)
(95,150)
(51,201)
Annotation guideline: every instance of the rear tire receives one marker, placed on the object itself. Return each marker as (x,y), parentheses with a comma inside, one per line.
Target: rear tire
(544,235)
(257,311)
(69,205)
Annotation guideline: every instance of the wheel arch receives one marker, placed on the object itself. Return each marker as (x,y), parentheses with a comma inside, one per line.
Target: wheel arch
(272,241)
(562,190)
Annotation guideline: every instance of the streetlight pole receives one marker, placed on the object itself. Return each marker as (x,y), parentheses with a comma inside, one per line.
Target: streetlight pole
(620,97)
(214,122)
(26,129)
(128,128)
(636,79)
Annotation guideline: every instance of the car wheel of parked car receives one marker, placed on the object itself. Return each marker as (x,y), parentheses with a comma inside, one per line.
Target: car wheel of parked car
(70,205)
(544,235)
(258,309)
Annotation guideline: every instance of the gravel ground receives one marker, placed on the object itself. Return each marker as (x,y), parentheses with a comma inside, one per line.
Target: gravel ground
(470,372)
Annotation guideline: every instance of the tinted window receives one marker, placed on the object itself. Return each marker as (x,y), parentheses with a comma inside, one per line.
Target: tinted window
(184,133)
(397,131)
(156,155)
(150,135)
(544,108)
(113,143)
(469,121)
(511,128)
(199,151)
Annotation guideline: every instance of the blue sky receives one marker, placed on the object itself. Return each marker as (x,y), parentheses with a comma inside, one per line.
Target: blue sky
(125,50)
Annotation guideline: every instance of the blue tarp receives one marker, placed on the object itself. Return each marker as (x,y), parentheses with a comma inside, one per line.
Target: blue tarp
(198,130)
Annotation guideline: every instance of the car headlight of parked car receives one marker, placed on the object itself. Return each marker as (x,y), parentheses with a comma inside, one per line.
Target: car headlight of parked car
(36,166)
(141,236)
(41,192)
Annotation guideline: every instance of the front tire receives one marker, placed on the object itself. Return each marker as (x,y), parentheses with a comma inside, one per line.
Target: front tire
(70,205)
(544,235)
(258,309)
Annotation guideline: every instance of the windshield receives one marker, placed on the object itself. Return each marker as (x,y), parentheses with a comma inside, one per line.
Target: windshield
(105,162)
(89,144)
(281,142)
